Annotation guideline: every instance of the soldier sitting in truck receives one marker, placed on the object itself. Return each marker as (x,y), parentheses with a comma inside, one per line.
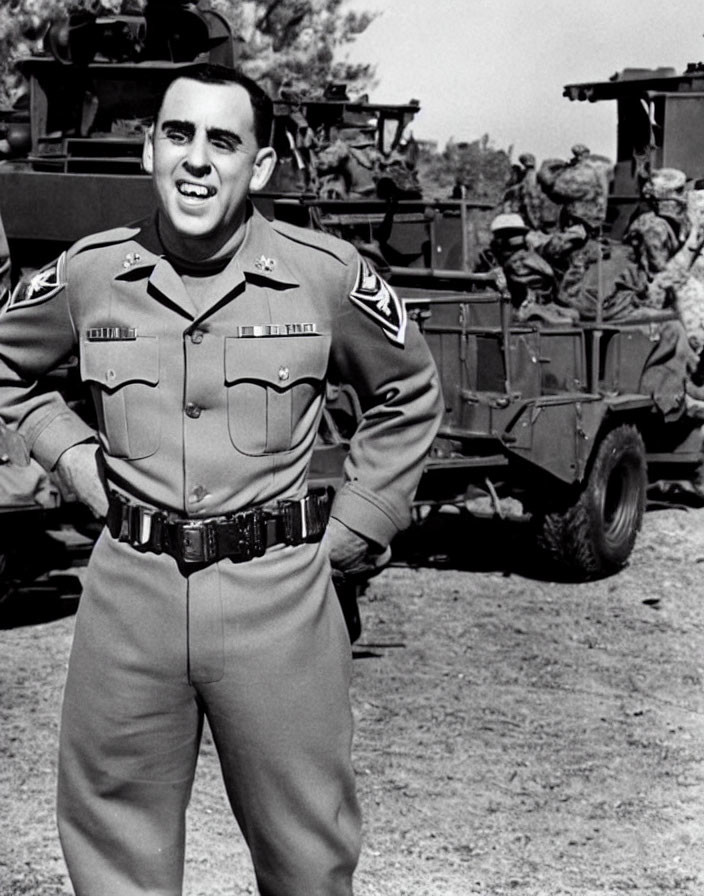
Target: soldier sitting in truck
(601,278)
(657,234)
(530,200)
(530,280)
(680,284)
(580,187)
(349,166)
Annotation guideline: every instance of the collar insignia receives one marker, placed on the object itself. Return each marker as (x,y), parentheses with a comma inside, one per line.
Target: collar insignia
(131,259)
(265,264)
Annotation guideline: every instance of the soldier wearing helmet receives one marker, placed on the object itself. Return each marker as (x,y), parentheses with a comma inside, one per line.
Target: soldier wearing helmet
(657,234)
(539,212)
(665,191)
(579,153)
(579,187)
(530,280)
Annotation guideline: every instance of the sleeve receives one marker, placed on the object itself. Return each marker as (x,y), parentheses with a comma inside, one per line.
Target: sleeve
(654,240)
(383,356)
(36,335)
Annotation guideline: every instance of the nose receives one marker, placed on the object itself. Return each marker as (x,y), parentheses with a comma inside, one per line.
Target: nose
(196,170)
(196,162)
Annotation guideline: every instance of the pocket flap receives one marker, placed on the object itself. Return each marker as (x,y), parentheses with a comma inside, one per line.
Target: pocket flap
(279,361)
(112,364)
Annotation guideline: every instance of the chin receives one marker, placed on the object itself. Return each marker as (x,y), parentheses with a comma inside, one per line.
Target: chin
(191,229)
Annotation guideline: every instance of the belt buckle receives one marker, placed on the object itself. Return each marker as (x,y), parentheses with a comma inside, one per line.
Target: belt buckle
(249,534)
(293,516)
(197,543)
(141,525)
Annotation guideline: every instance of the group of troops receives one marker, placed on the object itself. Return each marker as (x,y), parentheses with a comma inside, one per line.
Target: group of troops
(343,160)
(547,243)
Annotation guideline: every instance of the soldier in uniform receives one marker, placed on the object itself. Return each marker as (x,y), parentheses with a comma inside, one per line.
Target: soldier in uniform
(534,206)
(349,167)
(530,280)
(580,187)
(657,234)
(207,337)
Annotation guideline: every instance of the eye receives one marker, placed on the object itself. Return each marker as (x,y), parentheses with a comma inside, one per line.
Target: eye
(176,135)
(225,143)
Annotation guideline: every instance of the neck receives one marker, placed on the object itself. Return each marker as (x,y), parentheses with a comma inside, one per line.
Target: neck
(205,252)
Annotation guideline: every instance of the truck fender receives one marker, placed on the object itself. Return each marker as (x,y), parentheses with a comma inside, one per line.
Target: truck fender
(558,435)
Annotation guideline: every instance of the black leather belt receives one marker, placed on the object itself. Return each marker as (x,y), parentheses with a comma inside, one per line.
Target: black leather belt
(237,536)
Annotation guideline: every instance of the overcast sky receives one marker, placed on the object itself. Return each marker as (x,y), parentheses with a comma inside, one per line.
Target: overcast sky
(499,66)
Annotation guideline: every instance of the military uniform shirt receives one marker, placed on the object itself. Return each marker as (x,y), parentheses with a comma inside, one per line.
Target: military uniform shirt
(209,411)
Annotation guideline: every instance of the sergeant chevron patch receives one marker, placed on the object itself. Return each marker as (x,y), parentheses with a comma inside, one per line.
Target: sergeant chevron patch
(41,287)
(379,302)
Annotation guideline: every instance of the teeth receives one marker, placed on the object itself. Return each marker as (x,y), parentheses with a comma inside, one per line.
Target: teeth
(194,190)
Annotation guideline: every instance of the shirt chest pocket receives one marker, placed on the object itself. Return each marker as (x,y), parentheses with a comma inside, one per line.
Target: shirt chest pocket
(275,388)
(124,379)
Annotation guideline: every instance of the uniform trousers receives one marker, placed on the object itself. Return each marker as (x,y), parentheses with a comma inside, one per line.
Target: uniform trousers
(260,649)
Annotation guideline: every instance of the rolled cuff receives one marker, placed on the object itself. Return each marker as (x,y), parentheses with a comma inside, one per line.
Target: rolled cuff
(61,433)
(368,515)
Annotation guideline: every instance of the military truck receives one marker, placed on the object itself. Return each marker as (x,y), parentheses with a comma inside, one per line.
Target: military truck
(660,114)
(559,419)
(554,420)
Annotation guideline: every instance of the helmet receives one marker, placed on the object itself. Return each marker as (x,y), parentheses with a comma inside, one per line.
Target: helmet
(665,183)
(579,150)
(509,221)
(527,159)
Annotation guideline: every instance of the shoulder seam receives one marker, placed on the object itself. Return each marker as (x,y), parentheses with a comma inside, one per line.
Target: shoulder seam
(323,242)
(103,239)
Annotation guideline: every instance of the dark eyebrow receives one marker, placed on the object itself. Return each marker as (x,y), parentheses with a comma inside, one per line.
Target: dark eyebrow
(187,127)
(219,133)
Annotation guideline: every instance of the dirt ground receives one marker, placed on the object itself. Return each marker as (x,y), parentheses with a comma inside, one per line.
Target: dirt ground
(515,735)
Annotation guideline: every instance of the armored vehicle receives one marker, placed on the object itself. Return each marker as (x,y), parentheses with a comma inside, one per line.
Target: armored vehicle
(554,420)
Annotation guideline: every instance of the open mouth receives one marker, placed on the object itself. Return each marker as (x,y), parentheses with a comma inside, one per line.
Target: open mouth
(194,191)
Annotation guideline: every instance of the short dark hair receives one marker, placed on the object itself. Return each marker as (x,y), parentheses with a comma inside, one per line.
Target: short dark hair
(209,73)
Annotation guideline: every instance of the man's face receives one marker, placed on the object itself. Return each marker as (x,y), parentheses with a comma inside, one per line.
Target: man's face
(204,158)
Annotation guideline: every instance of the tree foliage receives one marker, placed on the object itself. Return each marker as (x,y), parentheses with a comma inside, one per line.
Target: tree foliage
(478,166)
(295,41)
(279,42)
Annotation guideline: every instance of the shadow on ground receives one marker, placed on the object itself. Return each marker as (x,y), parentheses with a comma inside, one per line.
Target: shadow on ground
(43,582)
(454,539)
(458,540)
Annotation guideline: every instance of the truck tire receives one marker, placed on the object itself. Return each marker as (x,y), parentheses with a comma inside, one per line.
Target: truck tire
(594,535)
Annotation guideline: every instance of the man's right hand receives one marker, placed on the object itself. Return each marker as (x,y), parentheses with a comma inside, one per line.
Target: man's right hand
(79,472)
(351,555)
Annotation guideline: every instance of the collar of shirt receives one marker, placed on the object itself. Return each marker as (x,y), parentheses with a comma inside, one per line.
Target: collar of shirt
(259,256)
(258,260)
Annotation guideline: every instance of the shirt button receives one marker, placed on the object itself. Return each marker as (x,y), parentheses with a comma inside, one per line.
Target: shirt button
(197,494)
(192,410)
(197,337)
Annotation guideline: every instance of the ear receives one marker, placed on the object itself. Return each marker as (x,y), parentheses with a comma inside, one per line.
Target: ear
(264,164)
(148,151)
